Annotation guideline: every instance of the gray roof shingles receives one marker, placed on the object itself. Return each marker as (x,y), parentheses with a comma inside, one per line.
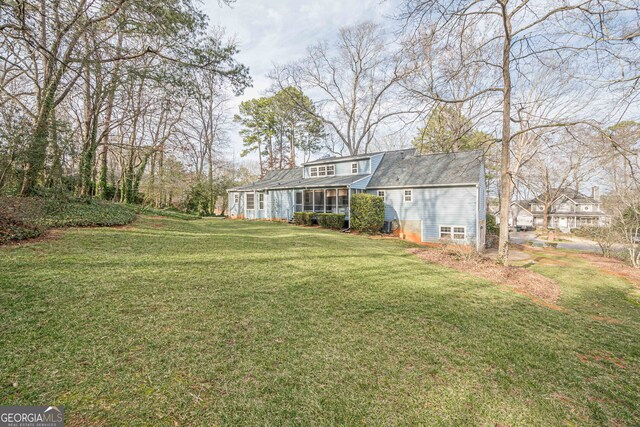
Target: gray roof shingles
(292,178)
(403,168)
(400,168)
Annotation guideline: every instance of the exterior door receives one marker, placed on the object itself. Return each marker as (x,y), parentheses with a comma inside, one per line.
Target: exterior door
(562,222)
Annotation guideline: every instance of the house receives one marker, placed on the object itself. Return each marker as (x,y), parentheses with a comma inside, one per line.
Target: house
(570,209)
(427,197)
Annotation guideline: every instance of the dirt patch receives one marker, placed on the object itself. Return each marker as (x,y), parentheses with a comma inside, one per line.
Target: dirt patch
(613,267)
(46,236)
(607,319)
(539,288)
(601,357)
(553,262)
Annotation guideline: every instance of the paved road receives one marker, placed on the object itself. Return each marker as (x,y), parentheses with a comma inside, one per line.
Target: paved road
(575,244)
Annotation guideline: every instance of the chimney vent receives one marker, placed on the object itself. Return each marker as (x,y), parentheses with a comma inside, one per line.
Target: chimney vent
(595,193)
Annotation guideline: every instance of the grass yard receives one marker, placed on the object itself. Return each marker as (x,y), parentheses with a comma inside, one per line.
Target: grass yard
(218,322)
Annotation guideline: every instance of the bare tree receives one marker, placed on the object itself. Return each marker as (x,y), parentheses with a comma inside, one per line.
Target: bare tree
(353,82)
(510,38)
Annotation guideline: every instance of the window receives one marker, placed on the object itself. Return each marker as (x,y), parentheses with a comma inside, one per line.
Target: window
(331,201)
(318,200)
(308,200)
(453,232)
(586,208)
(331,170)
(343,200)
(322,171)
(408,195)
(299,201)
(354,168)
(236,198)
(261,201)
(381,193)
(250,201)
(313,171)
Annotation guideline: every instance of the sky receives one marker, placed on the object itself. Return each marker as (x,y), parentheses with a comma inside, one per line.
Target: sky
(279,31)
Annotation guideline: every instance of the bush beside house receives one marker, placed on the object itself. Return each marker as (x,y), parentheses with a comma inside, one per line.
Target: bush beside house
(331,220)
(303,218)
(367,213)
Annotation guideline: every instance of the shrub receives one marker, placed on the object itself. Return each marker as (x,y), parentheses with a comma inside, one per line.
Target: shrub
(605,237)
(303,218)
(367,213)
(81,214)
(26,217)
(331,220)
(492,227)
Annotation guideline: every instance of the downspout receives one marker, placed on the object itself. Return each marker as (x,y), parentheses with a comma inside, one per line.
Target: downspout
(349,204)
(477,218)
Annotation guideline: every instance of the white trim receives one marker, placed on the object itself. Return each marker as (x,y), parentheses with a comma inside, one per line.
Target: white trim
(478,219)
(518,204)
(452,232)
(261,196)
(404,195)
(391,187)
(246,201)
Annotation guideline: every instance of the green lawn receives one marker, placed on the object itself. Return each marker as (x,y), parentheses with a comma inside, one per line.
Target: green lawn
(218,322)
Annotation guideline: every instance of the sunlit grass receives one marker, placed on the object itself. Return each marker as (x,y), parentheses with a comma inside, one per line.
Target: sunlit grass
(219,322)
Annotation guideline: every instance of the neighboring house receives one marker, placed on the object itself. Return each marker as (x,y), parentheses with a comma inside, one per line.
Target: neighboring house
(571,209)
(427,197)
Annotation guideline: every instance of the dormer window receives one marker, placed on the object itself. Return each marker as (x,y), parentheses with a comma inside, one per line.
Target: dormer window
(331,170)
(313,171)
(354,168)
(322,171)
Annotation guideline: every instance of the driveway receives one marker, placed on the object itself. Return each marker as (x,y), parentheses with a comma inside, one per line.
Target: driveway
(575,243)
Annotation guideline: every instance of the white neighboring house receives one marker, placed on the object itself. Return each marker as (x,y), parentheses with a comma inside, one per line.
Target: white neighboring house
(571,209)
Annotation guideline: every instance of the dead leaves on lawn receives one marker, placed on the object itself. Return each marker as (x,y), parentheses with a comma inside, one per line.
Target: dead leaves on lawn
(539,288)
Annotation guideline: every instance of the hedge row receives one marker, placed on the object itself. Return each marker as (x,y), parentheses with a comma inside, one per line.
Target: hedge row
(331,220)
(303,218)
(326,220)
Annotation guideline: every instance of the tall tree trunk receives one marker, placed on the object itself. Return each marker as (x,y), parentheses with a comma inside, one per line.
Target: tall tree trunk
(292,147)
(505,158)
(106,133)
(37,148)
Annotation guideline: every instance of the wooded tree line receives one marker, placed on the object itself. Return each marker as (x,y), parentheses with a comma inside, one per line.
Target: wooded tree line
(123,99)
(103,97)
